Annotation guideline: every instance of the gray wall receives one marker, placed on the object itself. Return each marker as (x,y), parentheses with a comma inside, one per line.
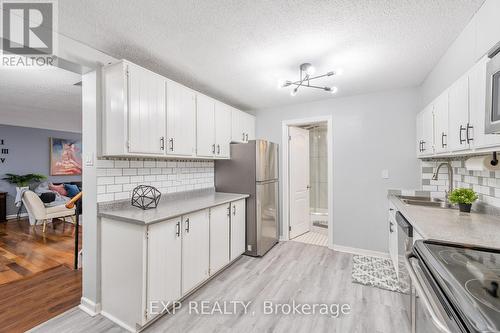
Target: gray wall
(29,150)
(370,133)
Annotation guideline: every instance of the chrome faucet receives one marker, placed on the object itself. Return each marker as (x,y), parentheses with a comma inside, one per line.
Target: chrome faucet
(450,177)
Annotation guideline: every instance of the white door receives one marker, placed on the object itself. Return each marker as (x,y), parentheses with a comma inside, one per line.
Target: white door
(146,97)
(237,133)
(205,126)
(195,249)
(238,228)
(164,261)
(458,114)
(219,237)
(222,130)
(441,123)
(299,181)
(181,120)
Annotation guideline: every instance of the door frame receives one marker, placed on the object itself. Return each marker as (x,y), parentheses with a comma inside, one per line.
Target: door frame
(286,180)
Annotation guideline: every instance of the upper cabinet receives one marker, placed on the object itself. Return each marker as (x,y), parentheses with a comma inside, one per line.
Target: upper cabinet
(181,120)
(145,114)
(487,29)
(425,135)
(458,122)
(243,126)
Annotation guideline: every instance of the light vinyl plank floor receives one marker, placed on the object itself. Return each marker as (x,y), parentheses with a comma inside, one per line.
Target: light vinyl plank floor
(290,271)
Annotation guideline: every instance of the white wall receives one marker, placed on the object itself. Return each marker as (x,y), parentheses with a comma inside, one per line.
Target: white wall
(370,133)
(478,37)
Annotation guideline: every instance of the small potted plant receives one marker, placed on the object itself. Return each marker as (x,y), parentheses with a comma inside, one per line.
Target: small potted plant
(22,182)
(464,197)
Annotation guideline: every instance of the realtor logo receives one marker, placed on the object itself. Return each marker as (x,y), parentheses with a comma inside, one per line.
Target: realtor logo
(28,32)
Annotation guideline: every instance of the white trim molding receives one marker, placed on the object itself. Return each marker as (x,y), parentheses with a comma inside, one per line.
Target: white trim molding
(89,307)
(358,251)
(285,197)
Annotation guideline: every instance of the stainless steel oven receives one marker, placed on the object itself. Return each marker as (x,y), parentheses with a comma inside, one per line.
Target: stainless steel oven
(492,123)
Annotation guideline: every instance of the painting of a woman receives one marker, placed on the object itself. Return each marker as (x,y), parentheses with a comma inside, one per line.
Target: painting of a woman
(65,157)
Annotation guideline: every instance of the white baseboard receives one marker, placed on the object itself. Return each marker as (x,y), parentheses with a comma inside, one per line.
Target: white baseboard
(89,307)
(118,322)
(362,252)
(14,216)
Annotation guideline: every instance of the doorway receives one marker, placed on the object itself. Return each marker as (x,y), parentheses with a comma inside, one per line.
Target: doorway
(307,184)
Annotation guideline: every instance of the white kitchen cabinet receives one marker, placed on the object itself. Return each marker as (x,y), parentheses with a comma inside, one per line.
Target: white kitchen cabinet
(181,120)
(164,262)
(441,123)
(425,131)
(134,111)
(222,130)
(195,249)
(242,126)
(459,115)
(238,229)
(219,237)
(205,126)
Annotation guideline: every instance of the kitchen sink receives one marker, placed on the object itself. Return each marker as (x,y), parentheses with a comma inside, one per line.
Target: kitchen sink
(424,201)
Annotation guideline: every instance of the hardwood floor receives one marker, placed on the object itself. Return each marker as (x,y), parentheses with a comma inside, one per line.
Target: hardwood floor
(25,250)
(290,271)
(37,280)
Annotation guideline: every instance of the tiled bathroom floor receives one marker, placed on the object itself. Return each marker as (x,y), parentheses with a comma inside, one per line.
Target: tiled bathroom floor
(313,238)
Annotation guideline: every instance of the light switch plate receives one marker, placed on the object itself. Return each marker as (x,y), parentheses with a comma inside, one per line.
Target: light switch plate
(89,159)
(385,174)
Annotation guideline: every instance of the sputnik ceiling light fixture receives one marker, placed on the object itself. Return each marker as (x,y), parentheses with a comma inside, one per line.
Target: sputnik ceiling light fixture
(306,72)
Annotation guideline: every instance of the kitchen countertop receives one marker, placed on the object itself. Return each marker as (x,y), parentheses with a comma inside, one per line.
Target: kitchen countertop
(450,225)
(170,206)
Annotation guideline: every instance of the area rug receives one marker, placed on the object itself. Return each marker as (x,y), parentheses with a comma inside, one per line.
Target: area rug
(379,273)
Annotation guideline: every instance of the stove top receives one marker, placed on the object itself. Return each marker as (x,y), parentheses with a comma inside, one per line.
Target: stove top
(469,277)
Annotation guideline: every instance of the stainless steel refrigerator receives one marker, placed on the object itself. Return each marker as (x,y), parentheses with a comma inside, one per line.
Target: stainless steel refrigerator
(253,170)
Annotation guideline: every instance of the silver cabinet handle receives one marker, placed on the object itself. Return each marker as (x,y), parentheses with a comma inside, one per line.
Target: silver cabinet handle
(246,135)
(187,225)
(390,227)
(243,137)
(162,143)
(171,141)
(424,297)
(218,149)
(213,148)
(234,210)
(178,229)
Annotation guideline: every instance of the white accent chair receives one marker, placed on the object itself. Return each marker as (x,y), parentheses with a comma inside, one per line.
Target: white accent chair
(38,212)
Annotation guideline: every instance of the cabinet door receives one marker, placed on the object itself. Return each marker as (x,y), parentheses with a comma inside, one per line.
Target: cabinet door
(222,130)
(420,133)
(164,261)
(477,107)
(205,126)
(146,100)
(248,126)
(428,131)
(237,133)
(441,123)
(393,243)
(181,120)
(195,249)
(219,237)
(458,114)
(238,229)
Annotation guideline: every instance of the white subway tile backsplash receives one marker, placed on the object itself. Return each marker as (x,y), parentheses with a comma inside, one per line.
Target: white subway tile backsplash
(117,178)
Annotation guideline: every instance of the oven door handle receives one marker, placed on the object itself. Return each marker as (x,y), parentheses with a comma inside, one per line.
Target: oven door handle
(422,291)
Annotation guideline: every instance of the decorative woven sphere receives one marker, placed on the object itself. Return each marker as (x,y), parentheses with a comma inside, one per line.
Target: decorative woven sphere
(145,197)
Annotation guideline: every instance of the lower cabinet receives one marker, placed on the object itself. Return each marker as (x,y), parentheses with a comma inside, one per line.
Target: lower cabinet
(164,262)
(146,266)
(195,249)
(238,229)
(393,236)
(219,237)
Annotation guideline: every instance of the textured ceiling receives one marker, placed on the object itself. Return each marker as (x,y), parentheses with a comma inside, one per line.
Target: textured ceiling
(41,95)
(237,50)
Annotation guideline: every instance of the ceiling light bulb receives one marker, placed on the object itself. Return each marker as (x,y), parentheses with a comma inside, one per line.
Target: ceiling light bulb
(294,92)
(310,70)
(333,90)
(281,83)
